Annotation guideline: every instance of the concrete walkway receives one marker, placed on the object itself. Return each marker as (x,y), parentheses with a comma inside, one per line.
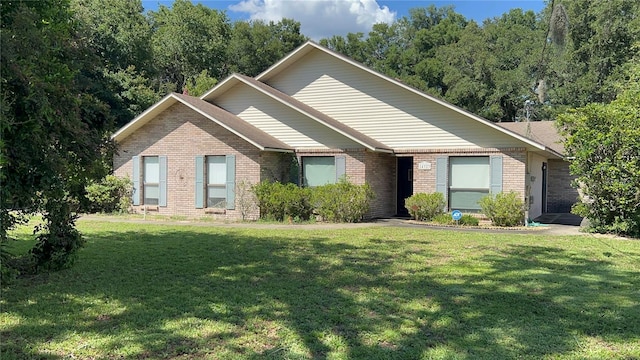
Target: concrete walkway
(559,218)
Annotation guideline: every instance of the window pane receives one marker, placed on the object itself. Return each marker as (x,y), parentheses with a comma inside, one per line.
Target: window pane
(216,170)
(151,169)
(469,172)
(151,194)
(319,170)
(466,199)
(217,191)
(216,196)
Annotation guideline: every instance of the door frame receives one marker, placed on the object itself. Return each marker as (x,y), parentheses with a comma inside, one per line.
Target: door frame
(404,183)
(545,168)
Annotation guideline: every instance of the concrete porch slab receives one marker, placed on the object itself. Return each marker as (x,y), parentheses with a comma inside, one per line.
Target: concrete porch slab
(559,218)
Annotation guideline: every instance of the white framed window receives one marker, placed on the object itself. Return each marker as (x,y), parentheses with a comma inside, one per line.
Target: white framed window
(469,181)
(151,180)
(322,170)
(216,169)
(215,181)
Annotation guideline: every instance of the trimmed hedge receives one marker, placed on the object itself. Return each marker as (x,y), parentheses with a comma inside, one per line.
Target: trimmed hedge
(340,202)
(343,201)
(505,209)
(424,207)
(279,201)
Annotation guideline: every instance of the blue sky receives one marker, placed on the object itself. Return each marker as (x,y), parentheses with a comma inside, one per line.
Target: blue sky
(324,18)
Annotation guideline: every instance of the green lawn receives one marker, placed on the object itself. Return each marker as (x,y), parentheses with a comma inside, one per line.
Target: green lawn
(191,292)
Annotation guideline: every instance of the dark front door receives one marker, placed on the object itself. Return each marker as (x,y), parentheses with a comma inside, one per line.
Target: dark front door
(405,183)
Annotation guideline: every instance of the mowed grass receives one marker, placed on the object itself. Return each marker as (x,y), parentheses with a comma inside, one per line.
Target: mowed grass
(143,291)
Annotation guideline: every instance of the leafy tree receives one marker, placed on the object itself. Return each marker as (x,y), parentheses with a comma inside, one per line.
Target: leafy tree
(53,126)
(187,39)
(468,71)
(600,41)
(605,141)
(352,45)
(201,84)
(429,30)
(406,49)
(120,35)
(256,45)
(131,93)
(118,31)
(491,70)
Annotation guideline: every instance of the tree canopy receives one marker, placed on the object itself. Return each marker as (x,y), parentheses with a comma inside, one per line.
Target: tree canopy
(54,123)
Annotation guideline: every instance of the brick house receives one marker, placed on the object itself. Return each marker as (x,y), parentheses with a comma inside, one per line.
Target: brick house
(315,116)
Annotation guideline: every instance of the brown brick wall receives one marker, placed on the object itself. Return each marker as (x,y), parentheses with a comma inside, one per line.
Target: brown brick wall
(513,165)
(381,175)
(560,194)
(181,134)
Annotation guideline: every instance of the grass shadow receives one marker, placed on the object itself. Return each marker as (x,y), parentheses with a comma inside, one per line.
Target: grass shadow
(162,292)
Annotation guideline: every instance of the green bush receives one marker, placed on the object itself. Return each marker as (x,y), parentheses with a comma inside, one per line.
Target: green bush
(58,240)
(423,206)
(111,194)
(603,141)
(466,220)
(343,201)
(505,209)
(279,201)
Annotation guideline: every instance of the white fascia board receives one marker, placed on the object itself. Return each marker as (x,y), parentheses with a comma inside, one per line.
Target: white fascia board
(229,81)
(299,52)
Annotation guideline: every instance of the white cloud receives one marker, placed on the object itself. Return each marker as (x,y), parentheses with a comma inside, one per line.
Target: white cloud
(320,18)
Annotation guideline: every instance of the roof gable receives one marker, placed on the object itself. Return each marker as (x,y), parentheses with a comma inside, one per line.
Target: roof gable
(311,47)
(299,107)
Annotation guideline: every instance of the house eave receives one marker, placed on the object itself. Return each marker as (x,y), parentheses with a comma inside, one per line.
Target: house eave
(221,87)
(272,149)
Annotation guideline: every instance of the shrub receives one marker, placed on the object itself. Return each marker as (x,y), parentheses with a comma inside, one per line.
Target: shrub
(111,194)
(343,201)
(58,240)
(279,201)
(603,141)
(245,198)
(466,219)
(423,206)
(505,209)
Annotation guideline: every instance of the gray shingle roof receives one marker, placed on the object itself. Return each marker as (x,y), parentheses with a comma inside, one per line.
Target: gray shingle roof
(544,132)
